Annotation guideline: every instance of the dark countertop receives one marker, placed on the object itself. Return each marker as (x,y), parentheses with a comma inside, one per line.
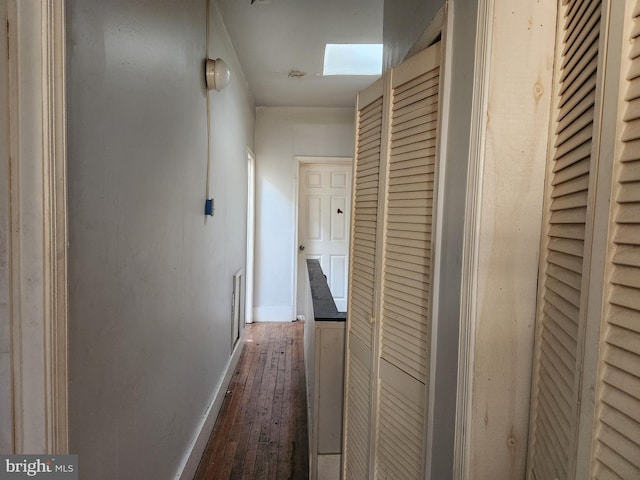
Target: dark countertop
(324,308)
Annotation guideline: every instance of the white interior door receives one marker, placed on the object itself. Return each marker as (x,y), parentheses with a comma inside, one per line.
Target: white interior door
(324,206)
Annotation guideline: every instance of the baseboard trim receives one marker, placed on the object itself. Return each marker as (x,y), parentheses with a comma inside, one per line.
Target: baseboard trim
(189,464)
(273,314)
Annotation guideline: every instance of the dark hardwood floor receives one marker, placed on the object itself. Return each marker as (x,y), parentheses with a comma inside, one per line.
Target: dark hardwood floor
(261,431)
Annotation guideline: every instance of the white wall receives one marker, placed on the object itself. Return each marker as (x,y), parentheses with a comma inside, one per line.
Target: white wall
(404,22)
(281,134)
(149,277)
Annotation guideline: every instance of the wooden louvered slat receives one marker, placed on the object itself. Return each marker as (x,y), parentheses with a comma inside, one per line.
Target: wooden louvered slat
(634,72)
(366,180)
(558,387)
(555,390)
(576,96)
(406,303)
(583,25)
(401,422)
(357,419)
(362,285)
(424,79)
(421,87)
(577,61)
(619,422)
(566,116)
(416,117)
(572,14)
(576,123)
(617,440)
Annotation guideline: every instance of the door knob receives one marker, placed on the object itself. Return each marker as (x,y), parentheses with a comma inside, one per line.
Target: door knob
(301,248)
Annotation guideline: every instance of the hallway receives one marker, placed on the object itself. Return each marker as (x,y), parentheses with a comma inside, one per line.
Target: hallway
(261,431)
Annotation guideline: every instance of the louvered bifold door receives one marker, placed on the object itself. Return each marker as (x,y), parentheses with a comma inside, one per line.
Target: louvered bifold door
(561,311)
(407,265)
(362,293)
(617,433)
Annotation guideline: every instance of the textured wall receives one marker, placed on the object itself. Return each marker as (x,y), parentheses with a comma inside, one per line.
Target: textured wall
(150,277)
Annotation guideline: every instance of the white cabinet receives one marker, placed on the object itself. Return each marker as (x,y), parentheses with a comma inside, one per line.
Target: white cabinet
(326,425)
(324,363)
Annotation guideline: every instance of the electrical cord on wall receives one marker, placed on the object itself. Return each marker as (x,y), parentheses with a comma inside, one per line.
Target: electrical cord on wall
(208,172)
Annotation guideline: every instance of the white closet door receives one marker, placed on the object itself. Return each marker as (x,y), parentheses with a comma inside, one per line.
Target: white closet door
(405,322)
(617,429)
(362,281)
(561,312)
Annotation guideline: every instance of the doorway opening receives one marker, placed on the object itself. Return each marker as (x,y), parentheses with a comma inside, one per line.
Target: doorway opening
(323,224)
(251,221)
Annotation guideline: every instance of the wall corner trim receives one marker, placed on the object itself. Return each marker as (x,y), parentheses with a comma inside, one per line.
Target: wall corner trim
(468,297)
(39,246)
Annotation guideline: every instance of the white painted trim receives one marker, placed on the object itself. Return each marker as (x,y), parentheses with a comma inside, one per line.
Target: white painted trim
(444,19)
(284,313)
(191,460)
(39,225)
(6,391)
(299,161)
(294,258)
(468,293)
(251,234)
(235,340)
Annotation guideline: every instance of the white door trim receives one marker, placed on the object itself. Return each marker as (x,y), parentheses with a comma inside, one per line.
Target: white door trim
(300,160)
(251,234)
(471,241)
(39,308)
(442,26)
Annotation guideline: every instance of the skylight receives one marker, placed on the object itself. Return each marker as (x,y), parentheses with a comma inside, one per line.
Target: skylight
(352,59)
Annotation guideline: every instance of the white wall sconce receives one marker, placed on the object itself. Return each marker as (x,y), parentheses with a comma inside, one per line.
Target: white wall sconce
(217,74)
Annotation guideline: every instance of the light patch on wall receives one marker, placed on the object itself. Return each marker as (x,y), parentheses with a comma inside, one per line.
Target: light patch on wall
(352,59)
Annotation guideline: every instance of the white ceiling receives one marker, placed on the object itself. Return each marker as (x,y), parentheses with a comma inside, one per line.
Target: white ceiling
(273,37)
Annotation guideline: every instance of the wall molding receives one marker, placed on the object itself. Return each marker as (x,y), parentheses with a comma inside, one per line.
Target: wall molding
(39,225)
(305,159)
(442,27)
(471,241)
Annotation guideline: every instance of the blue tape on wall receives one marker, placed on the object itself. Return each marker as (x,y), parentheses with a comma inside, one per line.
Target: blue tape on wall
(208,207)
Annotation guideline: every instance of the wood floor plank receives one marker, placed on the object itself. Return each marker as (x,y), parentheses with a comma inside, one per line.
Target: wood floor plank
(261,430)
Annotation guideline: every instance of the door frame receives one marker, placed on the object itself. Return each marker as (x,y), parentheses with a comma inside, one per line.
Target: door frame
(482,300)
(38,215)
(299,161)
(251,235)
